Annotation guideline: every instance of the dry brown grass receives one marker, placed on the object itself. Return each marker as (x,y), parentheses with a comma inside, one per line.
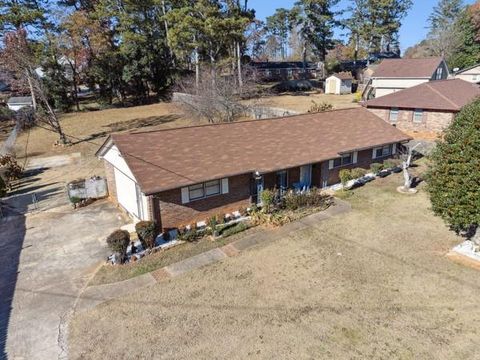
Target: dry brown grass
(370,284)
(88,130)
(303,101)
(87,127)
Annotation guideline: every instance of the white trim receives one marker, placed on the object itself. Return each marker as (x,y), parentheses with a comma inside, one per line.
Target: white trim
(355,157)
(225,186)
(374,151)
(394,149)
(330,164)
(185,195)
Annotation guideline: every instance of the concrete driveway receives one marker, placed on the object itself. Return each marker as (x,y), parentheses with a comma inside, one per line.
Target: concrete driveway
(46,259)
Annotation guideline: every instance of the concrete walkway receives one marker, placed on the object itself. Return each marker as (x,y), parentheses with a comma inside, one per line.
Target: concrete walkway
(95,295)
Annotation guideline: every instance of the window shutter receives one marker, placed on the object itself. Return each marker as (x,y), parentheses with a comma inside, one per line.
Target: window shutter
(185,197)
(330,165)
(355,157)
(394,149)
(373,153)
(225,186)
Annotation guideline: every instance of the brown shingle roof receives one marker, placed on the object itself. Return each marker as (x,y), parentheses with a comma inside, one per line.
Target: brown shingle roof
(407,68)
(448,95)
(344,75)
(168,159)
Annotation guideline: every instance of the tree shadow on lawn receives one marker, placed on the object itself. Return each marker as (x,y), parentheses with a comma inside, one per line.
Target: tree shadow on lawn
(131,124)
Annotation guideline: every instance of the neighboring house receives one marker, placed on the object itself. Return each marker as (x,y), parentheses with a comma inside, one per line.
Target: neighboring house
(179,176)
(471,74)
(393,75)
(425,108)
(283,70)
(19,102)
(339,83)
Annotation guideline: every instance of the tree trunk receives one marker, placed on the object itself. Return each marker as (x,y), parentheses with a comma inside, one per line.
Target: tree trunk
(55,123)
(304,59)
(197,67)
(239,65)
(32,90)
(406,176)
(355,54)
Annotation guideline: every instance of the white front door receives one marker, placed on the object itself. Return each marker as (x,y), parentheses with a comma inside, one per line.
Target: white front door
(306,175)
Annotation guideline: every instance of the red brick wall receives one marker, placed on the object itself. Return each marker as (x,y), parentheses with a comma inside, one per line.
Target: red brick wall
(364,160)
(433,121)
(175,214)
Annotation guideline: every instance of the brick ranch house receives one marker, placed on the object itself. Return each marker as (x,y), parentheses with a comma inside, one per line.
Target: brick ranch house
(427,108)
(179,176)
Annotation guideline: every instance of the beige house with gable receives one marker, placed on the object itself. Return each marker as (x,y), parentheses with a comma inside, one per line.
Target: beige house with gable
(393,75)
(471,74)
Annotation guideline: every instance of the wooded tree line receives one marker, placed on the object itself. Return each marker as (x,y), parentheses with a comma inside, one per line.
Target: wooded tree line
(133,50)
(454,33)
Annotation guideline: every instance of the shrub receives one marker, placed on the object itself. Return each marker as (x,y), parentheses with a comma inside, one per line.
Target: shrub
(345,176)
(190,235)
(320,107)
(358,173)
(389,164)
(238,227)
(118,242)
(453,176)
(293,201)
(147,232)
(358,97)
(268,197)
(12,169)
(212,222)
(376,168)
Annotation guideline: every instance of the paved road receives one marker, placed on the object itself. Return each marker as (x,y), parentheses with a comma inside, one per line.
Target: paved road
(46,258)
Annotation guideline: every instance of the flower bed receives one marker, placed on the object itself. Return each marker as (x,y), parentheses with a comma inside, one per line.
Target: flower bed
(351,178)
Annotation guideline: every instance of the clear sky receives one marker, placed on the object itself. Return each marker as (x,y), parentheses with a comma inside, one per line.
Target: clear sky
(413,28)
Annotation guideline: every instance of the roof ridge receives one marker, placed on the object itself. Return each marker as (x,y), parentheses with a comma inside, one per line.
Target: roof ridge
(442,96)
(237,122)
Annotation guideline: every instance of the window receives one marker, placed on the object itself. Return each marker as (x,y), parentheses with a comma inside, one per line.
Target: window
(382,151)
(393,115)
(439,73)
(196,192)
(418,116)
(346,159)
(212,188)
(204,190)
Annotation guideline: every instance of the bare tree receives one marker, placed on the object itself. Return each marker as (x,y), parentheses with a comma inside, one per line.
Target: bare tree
(406,157)
(216,99)
(18,57)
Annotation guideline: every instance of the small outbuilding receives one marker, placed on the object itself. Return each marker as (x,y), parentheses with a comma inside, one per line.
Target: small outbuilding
(19,102)
(339,83)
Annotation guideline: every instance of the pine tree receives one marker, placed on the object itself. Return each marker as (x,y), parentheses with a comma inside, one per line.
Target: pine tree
(376,23)
(316,21)
(454,175)
(441,25)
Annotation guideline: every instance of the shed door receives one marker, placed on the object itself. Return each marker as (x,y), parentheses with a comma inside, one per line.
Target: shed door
(332,86)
